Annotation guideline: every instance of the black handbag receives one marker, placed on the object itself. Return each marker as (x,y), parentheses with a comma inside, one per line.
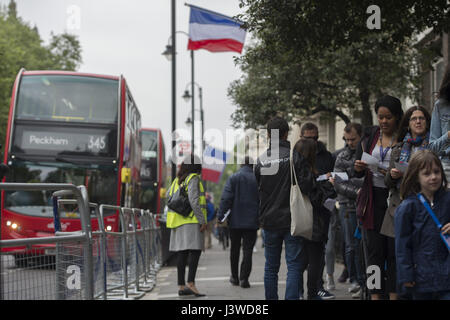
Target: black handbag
(179,202)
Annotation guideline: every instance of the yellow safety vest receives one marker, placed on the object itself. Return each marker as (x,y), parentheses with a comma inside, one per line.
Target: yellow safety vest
(174,220)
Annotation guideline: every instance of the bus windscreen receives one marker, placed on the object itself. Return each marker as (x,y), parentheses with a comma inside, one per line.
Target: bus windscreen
(68,98)
(100,181)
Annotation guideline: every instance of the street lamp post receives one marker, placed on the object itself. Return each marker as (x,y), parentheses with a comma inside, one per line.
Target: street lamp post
(170,53)
(187,96)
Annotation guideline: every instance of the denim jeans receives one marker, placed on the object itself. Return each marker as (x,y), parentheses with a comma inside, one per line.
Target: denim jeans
(293,247)
(352,253)
(441,295)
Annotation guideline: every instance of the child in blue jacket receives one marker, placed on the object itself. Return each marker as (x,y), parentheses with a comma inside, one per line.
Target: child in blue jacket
(423,260)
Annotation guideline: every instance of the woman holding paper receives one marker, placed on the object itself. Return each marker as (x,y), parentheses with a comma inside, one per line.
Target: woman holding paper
(414,135)
(376,146)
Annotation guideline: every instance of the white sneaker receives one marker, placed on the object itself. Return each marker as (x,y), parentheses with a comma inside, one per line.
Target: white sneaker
(330,283)
(357,294)
(354,287)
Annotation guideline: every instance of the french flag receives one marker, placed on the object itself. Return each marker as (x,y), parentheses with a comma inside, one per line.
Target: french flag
(214,32)
(214,162)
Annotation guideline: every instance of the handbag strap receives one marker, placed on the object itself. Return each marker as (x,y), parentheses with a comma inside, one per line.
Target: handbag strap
(430,211)
(293,169)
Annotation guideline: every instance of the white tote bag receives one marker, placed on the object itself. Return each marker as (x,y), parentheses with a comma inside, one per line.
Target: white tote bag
(301,209)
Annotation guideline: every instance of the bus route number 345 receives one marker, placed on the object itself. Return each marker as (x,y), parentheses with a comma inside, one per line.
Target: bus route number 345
(96,143)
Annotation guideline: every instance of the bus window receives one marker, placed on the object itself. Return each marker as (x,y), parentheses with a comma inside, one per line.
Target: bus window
(68,98)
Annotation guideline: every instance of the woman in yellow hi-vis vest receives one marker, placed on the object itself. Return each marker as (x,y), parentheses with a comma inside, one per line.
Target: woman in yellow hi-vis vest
(186,236)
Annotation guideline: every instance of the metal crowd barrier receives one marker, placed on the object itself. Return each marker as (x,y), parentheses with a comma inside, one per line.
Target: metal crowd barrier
(84,264)
(69,275)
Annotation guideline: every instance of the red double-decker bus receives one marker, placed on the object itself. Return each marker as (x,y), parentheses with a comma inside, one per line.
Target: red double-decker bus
(69,127)
(153,170)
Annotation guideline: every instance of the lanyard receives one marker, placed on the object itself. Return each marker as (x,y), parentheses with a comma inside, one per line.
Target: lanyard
(446,237)
(384,152)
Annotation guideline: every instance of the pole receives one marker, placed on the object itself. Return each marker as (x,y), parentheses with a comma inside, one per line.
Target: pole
(203,127)
(193,112)
(174,82)
(202,119)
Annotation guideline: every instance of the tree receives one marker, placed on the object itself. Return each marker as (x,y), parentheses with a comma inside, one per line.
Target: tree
(335,82)
(22,47)
(301,24)
(314,56)
(66,51)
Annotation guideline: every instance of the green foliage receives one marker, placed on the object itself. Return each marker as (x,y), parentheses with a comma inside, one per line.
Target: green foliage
(22,47)
(313,56)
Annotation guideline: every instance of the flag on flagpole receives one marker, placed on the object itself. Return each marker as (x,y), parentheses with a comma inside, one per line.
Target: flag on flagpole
(214,32)
(214,162)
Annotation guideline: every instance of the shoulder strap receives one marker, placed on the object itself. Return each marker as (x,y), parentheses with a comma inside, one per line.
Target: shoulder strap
(292,168)
(173,186)
(430,211)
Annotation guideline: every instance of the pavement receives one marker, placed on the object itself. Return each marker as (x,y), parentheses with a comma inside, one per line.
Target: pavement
(213,275)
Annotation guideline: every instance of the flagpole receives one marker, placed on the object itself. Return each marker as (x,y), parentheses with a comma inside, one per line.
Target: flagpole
(174,83)
(192,102)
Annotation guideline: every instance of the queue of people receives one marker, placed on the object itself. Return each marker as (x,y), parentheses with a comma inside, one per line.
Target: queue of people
(394,207)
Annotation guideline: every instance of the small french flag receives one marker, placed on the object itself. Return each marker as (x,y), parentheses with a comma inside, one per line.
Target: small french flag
(214,162)
(214,32)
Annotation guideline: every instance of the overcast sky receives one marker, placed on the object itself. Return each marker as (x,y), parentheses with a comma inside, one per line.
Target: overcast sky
(128,36)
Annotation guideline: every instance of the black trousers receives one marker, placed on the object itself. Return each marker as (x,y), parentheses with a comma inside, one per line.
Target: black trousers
(380,248)
(313,261)
(246,237)
(191,258)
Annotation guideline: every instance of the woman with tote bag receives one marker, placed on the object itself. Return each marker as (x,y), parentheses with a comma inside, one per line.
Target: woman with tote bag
(303,159)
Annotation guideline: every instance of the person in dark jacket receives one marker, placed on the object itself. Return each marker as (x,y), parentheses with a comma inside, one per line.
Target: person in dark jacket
(324,165)
(423,260)
(347,191)
(272,172)
(371,208)
(317,191)
(240,196)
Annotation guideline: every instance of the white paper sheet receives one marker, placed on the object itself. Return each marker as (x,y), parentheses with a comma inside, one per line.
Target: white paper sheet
(225,216)
(342,175)
(372,163)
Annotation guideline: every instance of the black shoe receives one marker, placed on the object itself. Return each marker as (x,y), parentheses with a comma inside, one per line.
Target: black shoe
(344,276)
(245,284)
(186,292)
(234,281)
(325,295)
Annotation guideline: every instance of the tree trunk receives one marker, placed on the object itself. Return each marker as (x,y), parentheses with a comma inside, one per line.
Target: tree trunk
(333,111)
(366,115)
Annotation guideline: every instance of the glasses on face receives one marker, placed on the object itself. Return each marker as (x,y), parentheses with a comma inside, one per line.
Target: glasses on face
(315,138)
(414,119)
